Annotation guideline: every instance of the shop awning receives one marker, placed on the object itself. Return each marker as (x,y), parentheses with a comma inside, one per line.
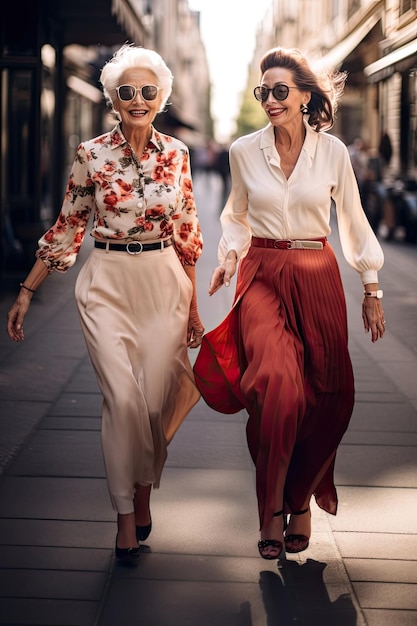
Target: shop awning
(335,57)
(388,64)
(96,22)
(84,89)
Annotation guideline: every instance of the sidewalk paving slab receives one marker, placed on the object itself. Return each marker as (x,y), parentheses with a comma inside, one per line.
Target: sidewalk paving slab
(201,566)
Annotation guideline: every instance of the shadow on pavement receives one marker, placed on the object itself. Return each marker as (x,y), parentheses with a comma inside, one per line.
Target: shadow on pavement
(298,594)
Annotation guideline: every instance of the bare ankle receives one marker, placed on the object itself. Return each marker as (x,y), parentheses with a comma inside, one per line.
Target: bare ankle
(126,530)
(142,505)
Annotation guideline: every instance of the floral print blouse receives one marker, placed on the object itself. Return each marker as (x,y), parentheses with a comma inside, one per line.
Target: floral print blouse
(133,199)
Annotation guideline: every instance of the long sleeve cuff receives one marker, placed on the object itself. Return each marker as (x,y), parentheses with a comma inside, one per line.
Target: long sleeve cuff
(369,276)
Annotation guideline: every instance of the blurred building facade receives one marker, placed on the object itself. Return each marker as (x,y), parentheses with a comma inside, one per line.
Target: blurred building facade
(51,56)
(375,41)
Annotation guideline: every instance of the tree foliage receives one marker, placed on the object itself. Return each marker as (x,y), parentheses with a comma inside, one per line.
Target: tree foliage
(251,116)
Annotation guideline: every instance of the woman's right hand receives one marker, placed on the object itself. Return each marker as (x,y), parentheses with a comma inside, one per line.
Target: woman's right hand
(17,314)
(223,274)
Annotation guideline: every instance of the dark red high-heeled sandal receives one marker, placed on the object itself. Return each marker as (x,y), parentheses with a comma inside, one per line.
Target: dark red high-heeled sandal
(303,540)
(278,546)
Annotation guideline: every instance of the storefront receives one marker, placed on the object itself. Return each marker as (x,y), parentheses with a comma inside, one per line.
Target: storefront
(358,114)
(51,54)
(395,75)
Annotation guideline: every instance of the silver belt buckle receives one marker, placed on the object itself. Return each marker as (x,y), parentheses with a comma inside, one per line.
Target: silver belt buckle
(137,244)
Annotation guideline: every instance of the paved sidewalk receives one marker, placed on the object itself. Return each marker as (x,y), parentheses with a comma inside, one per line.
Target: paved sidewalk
(200,566)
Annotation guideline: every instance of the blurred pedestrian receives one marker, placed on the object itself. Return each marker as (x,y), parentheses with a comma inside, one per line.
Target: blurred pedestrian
(385,148)
(223,169)
(136,293)
(389,190)
(282,352)
(358,153)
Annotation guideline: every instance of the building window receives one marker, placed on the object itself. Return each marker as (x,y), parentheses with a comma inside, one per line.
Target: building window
(353,7)
(21,139)
(335,9)
(413,122)
(18,34)
(406,5)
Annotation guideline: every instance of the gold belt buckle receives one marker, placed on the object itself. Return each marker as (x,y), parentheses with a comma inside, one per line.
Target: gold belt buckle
(305,244)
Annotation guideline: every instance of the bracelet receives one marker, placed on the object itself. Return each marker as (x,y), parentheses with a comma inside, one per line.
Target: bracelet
(27,288)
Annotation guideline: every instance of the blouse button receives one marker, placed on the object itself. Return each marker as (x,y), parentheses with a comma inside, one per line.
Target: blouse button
(140,205)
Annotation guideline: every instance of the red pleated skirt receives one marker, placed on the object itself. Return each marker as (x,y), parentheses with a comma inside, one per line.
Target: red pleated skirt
(282,354)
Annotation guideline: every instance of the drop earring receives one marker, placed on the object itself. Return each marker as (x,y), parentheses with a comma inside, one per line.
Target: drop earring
(303,108)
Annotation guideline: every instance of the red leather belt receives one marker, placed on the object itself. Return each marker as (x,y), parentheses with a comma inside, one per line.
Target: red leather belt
(290,244)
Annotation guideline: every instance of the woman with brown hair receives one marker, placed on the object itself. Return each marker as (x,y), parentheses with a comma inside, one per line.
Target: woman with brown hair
(283,350)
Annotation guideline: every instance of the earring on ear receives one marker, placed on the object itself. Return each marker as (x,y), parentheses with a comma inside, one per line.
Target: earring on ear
(303,108)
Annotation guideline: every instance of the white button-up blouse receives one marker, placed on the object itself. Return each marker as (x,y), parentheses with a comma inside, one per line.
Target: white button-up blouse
(263,203)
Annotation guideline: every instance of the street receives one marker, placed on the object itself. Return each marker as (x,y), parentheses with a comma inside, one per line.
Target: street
(200,566)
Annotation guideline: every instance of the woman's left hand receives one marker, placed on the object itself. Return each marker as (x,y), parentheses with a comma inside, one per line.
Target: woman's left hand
(195,329)
(373,318)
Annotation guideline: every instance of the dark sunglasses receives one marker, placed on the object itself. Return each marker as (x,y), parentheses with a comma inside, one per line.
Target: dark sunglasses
(128,92)
(279,91)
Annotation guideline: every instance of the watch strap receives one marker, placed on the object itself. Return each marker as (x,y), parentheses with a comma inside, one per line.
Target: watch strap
(374,294)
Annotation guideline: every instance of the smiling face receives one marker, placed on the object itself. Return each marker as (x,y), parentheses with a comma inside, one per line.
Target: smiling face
(138,113)
(283,113)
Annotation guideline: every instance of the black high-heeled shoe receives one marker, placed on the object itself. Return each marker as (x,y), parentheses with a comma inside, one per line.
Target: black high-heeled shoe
(143,532)
(126,554)
(278,546)
(303,540)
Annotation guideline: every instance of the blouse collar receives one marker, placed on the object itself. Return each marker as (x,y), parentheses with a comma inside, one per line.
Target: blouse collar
(117,138)
(267,139)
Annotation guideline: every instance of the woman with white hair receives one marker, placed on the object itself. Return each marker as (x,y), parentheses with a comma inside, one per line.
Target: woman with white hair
(136,293)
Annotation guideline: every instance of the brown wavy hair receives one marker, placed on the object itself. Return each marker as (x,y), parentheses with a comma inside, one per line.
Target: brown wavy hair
(326,87)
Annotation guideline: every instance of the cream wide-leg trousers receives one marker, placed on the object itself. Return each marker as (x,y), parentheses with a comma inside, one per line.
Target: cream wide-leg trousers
(134,314)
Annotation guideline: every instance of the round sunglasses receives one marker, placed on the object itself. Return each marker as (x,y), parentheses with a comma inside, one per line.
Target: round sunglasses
(279,91)
(128,92)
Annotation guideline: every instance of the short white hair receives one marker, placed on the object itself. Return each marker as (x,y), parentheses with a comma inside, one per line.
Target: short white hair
(127,57)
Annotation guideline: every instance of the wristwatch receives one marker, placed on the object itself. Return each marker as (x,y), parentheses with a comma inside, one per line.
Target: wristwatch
(374,294)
